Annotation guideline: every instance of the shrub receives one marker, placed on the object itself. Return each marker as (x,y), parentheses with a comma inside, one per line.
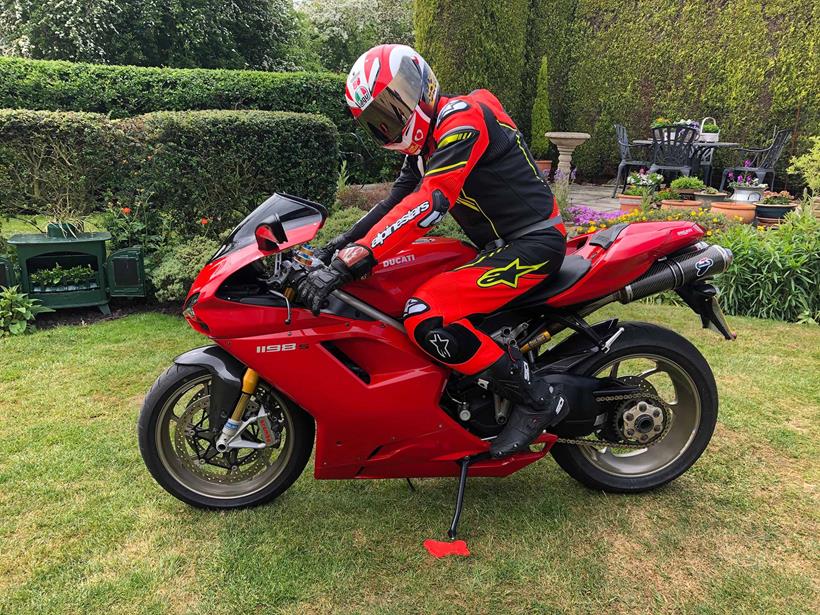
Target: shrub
(709,127)
(541,122)
(188,166)
(219,165)
(776,270)
(687,183)
(61,164)
(136,224)
(124,91)
(178,269)
(808,165)
(18,311)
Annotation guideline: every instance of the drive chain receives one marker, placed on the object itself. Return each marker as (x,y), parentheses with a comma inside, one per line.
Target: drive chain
(633,445)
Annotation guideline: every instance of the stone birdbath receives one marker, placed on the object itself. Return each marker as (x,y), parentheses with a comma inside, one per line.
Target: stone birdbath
(566,142)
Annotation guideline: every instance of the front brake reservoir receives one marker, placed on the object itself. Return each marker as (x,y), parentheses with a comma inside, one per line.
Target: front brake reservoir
(304,255)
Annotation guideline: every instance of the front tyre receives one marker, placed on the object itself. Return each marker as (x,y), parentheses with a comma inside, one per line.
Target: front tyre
(680,375)
(177,443)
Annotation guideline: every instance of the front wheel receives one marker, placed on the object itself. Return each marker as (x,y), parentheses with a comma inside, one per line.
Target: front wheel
(177,443)
(674,370)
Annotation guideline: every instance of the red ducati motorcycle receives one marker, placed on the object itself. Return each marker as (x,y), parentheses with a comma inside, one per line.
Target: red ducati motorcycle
(233,424)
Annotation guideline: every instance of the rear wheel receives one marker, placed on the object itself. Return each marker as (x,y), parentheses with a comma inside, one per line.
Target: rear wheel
(177,443)
(668,365)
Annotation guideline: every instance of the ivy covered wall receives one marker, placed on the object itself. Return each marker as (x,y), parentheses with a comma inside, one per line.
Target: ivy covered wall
(752,64)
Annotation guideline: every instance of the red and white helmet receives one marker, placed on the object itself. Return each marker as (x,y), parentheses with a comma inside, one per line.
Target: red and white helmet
(392,92)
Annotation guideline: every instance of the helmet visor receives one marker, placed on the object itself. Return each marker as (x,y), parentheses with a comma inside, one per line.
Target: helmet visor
(390,111)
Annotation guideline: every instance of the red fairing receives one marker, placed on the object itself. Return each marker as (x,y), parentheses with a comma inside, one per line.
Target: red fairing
(394,279)
(637,247)
(383,420)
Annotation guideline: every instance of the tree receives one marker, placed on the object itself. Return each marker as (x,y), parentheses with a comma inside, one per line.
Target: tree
(342,30)
(541,122)
(182,33)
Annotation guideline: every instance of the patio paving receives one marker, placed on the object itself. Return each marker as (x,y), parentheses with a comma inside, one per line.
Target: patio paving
(593,195)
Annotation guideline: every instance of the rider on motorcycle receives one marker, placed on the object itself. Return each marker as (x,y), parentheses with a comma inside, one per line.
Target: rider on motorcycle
(464,155)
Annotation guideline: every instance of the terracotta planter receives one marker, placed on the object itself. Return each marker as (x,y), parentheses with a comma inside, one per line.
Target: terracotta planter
(687,194)
(679,205)
(629,203)
(544,166)
(705,199)
(768,221)
(732,210)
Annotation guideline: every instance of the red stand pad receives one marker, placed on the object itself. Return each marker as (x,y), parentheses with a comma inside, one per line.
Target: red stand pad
(441,548)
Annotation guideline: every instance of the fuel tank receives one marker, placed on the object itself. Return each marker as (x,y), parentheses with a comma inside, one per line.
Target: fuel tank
(393,281)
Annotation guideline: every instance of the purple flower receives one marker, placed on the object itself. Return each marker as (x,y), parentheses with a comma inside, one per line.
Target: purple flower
(747,163)
(572,175)
(731,176)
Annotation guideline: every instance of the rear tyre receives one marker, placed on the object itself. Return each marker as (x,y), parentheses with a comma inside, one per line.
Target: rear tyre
(177,443)
(682,378)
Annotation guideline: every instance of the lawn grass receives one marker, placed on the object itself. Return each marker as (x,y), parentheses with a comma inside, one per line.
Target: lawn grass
(84,529)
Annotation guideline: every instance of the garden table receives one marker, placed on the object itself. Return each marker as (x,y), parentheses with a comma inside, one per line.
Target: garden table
(703,152)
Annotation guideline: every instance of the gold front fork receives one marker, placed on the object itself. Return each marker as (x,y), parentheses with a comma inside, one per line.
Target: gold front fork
(249,383)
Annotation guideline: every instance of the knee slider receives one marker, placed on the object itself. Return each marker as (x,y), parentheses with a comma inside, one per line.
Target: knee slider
(451,344)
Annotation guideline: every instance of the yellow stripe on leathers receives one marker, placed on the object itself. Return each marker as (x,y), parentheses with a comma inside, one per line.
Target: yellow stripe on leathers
(471,203)
(449,167)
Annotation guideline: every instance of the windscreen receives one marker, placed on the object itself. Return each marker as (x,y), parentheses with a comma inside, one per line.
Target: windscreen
(293,212)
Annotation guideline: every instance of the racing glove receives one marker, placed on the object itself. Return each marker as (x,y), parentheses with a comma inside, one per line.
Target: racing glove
(352,263)
(319,283)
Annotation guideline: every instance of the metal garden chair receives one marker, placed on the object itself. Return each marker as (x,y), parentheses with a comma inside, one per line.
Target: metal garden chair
(627,158)
(673,149)
(763,160)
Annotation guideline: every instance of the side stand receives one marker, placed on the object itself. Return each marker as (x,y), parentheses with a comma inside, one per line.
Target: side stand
(462,485)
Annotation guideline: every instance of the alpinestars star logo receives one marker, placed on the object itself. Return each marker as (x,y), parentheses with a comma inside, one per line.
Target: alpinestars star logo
(441,345)
(507,275)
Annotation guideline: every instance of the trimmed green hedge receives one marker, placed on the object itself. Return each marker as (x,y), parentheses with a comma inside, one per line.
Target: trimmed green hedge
(191,165)
(219,165)
(124,91)
(64,163)
(477,44)
(751,64)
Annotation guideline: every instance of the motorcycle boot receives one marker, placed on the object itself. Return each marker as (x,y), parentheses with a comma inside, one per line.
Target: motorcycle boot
(536,404)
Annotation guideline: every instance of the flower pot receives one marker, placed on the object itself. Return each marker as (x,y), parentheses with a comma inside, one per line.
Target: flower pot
(774,211)
(709,137)
(705,199)
(768,221)
(734,209)
(748,194)
(677,205)
(687,194)
(629,203)
(544,166)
